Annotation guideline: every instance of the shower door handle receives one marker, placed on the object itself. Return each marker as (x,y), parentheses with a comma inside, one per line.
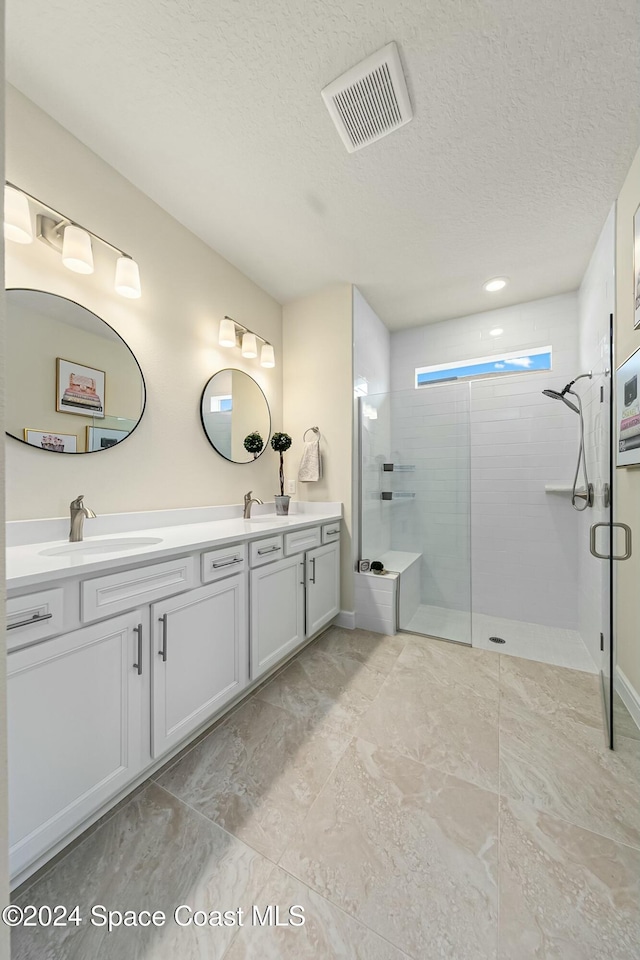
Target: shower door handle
(611,556)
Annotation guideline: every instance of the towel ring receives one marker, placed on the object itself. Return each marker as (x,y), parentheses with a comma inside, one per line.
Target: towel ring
(315,430)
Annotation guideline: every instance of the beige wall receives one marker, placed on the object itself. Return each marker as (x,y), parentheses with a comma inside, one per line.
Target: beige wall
(318,378)
(627,503)
(172,330)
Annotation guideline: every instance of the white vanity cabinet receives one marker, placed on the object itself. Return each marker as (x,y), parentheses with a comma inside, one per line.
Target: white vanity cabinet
(74,728)
(199,658)
(322,586)
(277,612)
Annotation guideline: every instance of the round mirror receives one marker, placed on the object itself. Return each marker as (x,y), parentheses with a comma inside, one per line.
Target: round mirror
(235,416)
(72,383)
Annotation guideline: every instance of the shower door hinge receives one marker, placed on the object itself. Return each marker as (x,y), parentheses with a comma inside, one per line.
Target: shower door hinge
(601,394)
(602,641)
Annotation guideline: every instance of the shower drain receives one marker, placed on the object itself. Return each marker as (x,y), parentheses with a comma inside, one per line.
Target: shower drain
(497,640)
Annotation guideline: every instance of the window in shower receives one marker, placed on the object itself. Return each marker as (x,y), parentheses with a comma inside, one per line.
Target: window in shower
(503,363)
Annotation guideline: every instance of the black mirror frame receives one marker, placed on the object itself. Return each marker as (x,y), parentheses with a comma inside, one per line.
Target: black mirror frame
(65,453)
(240,463)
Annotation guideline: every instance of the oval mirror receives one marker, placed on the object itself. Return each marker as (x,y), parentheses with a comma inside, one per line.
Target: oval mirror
(235,416)
(72,383)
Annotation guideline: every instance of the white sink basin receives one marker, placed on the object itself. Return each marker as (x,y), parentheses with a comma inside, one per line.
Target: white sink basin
(114,545)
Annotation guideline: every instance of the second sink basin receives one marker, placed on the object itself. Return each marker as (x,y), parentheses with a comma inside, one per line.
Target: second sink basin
(114,545)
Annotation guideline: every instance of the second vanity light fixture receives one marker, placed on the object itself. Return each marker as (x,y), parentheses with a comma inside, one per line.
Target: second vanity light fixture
(70,239)
(234,334)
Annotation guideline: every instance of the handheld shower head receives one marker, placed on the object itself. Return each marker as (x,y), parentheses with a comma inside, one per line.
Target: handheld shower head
(560,396)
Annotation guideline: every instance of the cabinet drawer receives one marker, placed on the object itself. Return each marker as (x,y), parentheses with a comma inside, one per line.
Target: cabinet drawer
(117,592)
(331,532)
(265,550)
(301,540)
(34,617)
(224,562)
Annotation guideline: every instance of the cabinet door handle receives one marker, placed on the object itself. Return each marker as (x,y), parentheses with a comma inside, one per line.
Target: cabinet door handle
(302,581)
(313,565)
(138,666)
(163,652)
(225,563)
(36,618)
(268,550)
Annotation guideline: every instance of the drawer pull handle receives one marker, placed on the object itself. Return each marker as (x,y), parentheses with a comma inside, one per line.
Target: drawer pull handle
(163,652)
(36,618)
(138,666)
(225,563)
(331,532)
(268,550)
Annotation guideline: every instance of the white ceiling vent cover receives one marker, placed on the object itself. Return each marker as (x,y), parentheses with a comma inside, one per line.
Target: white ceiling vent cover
(370,100)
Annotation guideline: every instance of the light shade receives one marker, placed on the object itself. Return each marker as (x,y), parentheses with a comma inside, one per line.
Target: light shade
(267,356)
(77,254)
(127,278)
(17,216)
(497,283)
(249,346)
(227,335)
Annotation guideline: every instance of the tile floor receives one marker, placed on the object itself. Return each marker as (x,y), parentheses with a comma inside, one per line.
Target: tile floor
(420,799)
(531,641)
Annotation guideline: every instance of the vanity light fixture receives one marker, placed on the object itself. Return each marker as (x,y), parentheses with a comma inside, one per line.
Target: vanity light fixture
(497,283)
(249,346)
(234,334)
(17,216)
(73,241)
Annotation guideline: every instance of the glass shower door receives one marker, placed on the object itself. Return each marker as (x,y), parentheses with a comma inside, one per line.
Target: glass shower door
(416,503)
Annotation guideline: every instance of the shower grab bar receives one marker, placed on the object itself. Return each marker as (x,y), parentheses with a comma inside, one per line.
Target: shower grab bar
(611,556)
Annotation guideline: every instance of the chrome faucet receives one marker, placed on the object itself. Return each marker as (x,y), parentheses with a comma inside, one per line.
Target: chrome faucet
(78,513)
(248,503)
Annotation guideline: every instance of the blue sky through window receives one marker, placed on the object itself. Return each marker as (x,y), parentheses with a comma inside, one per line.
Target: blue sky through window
(526,362)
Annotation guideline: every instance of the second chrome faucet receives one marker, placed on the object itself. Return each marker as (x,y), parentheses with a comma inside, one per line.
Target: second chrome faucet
(248,503)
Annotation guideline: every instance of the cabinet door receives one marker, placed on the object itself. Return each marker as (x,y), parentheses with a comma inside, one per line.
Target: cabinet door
(277,612)
(199,658)
(323,586)
(75,729)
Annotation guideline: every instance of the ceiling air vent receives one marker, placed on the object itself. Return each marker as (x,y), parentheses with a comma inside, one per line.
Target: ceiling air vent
(370,100)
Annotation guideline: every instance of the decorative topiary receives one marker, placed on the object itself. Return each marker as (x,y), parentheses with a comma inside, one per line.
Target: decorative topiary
(280,443)
(253,443)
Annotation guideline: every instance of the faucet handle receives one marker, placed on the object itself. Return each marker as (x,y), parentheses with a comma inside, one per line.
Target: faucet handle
(247,496)
(77,503)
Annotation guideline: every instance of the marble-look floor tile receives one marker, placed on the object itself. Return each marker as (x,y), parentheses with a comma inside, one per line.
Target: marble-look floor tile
(318,690)
(154,854)
(453,667)
(434,722)
(565,893)
(257,774)
(407,850)
(567,770)
(327,934)
(376,651)
(553,693)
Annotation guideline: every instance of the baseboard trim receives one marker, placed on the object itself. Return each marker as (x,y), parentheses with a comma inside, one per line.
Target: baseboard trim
(346,619)
(628,694)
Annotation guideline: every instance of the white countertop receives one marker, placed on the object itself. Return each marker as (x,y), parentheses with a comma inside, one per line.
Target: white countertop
(26,566)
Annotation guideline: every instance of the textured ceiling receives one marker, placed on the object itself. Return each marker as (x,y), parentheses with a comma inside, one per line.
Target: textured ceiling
(526,120)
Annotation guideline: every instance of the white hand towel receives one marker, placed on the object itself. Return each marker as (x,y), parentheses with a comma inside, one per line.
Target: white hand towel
(311,462)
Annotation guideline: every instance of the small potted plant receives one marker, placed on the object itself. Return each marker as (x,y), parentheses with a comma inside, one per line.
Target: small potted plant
(281,443)
(253,443)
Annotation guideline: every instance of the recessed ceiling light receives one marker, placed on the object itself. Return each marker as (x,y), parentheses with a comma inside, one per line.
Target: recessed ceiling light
(496,332)
(497,283)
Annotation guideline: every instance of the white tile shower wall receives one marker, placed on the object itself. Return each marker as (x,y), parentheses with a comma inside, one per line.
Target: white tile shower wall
(371,359)
(524,541)
(596,301)
(430,506)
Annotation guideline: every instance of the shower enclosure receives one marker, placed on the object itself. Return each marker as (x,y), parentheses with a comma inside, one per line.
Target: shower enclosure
(416,503)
